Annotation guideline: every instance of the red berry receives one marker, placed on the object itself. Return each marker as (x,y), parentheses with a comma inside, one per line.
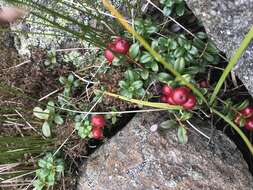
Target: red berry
(109,55)
(98,121)
(203,84)
(247,112)
(180,95)
(170,100)
(191,102)
(163,99)
(121,45)
(249,124)
(167,90)
(97,133)
(186,88)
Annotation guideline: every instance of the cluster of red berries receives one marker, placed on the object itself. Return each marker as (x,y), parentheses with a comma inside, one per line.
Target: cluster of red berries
(246,113)
(119,45)
(98,123)
(179,96)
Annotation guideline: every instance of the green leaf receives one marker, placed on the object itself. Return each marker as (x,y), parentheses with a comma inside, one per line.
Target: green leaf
(51,107)
(39,113)
(42,163)
(167,10)
(123,84)
(182,135)
(154,66)
(180,64)
(62,80)
(140,92)
(168,124)
(164,77)
(51,179)
(201,35)
(193,70)
(134,50)
(151,29)
(193,50)
(144,74)
(129,74)
(242,105)
(185,115)
(114,120)
(46,131)
(126,93)
(39,185)
(180,8)
(137,84)
(211,48)
(71,78)
(179,52)
(77,83)
(58,119)
(146,57)
(208,57)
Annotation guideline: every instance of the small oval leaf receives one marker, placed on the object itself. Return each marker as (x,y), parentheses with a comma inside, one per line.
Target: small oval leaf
(182,135)
(46,131)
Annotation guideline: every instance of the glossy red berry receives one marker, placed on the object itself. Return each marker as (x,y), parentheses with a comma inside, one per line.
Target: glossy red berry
(247,112)
(204,84)
(109,55)
(98,121)
(180,95)
(170,100)
(249,124)
(191,102)
(167,90)
(163,99)
(97,133)
(121,45)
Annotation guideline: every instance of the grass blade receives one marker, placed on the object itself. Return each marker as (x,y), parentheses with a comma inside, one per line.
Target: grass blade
(232,62)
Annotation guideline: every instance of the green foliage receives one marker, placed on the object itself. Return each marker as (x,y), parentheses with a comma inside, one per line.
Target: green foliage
(49,171)
(132,86)
(69,83)
(83,126)
(49,116)
(145,27)
(173,6)
(51,60)
(75,58)
(113,116)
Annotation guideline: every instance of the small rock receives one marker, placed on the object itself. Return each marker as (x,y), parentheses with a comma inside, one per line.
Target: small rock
(227,23)
(140,159)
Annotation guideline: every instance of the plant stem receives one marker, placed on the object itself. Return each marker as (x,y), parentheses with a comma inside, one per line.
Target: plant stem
(145,103)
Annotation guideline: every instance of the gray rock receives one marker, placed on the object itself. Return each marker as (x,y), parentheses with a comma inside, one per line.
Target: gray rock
(227,22)
(137,158)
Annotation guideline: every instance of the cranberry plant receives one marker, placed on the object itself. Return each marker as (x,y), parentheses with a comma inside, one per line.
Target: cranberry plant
(49,116)
(50,170)
(183,52)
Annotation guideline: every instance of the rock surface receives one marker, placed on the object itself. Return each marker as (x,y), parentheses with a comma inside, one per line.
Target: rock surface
(137,158)
(227,22)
